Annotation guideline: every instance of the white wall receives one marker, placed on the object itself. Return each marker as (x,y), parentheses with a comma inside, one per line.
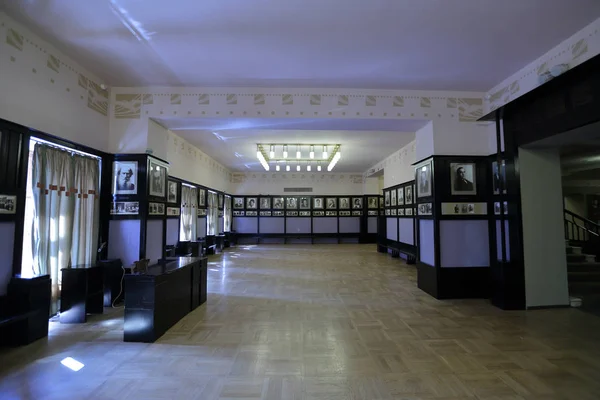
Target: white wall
(275,182)
(576,204)
(543,230)
(190,163)
(43,89)
(398,168)
(157,140)
(371,185)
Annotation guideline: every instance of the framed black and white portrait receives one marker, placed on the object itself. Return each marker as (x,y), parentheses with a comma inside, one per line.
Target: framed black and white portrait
(408,195)
(278,203)
(344,203)
(387,198)
(238,203)
(424,180)
(8,204)
(331,203)
(401,196)
(124,177)
(172,191)
(291,203)
(499,176)
(201,197)
(157,179)
(463,179)
(373,203)
(357,203)
(265,203)
(304,203)
(393,197)
(318,203)
(251,203)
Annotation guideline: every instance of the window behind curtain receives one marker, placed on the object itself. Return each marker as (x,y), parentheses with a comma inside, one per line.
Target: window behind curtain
(227,214)
(189,218)
(212,217)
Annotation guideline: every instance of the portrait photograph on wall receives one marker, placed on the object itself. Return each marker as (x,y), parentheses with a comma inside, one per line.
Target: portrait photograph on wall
(291,203)
(124,177)
(238,203)
(331,203)
(373,203)
(400,196)
(393,197)
(463,179)
(251,203)
(408,195)
(357,203)
(318,203)
(344,203)
(499,176)
(278,203)
(424,180)
(157,177)
(201,197)
(265,203)
(8,204)
(172,191)
(387,198)
(304,203)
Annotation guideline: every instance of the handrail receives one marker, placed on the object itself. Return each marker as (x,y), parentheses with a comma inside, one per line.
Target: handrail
(584,227)
(587,221)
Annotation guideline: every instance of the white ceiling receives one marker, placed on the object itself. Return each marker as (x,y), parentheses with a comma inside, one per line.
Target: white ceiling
(232,142)
(401,44)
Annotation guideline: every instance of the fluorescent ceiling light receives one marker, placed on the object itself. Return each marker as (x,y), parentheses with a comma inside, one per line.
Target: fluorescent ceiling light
(334,160)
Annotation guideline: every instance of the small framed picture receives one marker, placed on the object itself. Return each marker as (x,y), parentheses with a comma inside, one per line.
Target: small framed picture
(156,209)
(318,203)
(372,203)
(387,198)
(8,204)
(201,197)
(462,176)
(499,177)
(238,203)
(424,180)
(124,177)
(393,197)
(291,203)
(304,203)
(251,203)
(357,203)
(401,211)
(265,203)
(331,203)
(408,194)
(157,178)
(344,203)
(278,203)
(125,208)
(425,209)
(331,213)
(172,191)
(400,196)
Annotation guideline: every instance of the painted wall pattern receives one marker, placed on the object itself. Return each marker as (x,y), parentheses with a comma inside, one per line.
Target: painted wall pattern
(575,50)
(398,166)
(65,75)
(274,182)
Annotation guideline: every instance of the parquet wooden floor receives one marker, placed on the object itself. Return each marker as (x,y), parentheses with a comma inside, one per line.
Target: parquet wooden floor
(337,322)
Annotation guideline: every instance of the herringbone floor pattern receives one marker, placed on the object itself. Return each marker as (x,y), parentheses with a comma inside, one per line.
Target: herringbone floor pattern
(319,322)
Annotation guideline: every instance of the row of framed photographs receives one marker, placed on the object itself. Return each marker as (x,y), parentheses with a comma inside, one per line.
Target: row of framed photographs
(173,195)
(393,212)
(133,208)
(304,203)
(290,213)
(399,196)
(125,178)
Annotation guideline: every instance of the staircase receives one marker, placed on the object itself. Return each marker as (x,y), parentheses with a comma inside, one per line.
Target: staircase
(583,250)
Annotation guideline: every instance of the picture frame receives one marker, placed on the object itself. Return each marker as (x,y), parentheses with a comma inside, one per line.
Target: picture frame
(425,209)
(331,203)
(265,213)
(8,204)
(124,177)
(156,208)
(408,211)
(344,203)
(278,203)
(357,203)
(499,176)
(304,203)
(305,213)
(401,211)
(318,213)
(345,213)
(251,203)
(408,194)
(423,182)
(172,191)
(318,203)
(331,213)
(265,203)
(400,196)
(291,203)
(173,211)
(157,178)
(387,198)
(393,200)
(238,203)
(372,203)
(125,208)
(357,213)
(278,213)
(463,179)
(201,197)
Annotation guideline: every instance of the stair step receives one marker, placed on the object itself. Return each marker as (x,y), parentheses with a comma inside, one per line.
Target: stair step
(574,250)
(582,266)
(584,276)
(581,258)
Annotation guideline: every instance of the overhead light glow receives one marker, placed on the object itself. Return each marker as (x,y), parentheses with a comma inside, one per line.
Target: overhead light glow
(334,160)
(312,152)
(298,167)
(272,152)
(72,364)
(287,168)
(285,152)
(277,166)
(319,166)
(308,168)
(325,154)
(261,158)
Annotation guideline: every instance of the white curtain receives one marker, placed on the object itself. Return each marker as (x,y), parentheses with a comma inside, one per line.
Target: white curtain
(213,213)
(227,214)
(189,218)
(64,216)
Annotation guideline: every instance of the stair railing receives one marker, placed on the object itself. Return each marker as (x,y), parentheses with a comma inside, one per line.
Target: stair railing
(578,228)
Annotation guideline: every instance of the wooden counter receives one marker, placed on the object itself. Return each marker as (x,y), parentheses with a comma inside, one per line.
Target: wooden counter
(156,300)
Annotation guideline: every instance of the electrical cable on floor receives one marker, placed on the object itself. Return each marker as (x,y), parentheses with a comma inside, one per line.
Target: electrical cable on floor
(120,290)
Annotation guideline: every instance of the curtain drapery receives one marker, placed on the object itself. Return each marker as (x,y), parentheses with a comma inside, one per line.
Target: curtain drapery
(189,218)
(65,213)
(213,213)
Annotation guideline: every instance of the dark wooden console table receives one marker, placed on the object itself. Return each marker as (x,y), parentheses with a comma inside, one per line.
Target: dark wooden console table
(82,293)
(156,300)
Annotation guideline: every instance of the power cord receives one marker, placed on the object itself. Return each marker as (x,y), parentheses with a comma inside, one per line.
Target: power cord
(120,289)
